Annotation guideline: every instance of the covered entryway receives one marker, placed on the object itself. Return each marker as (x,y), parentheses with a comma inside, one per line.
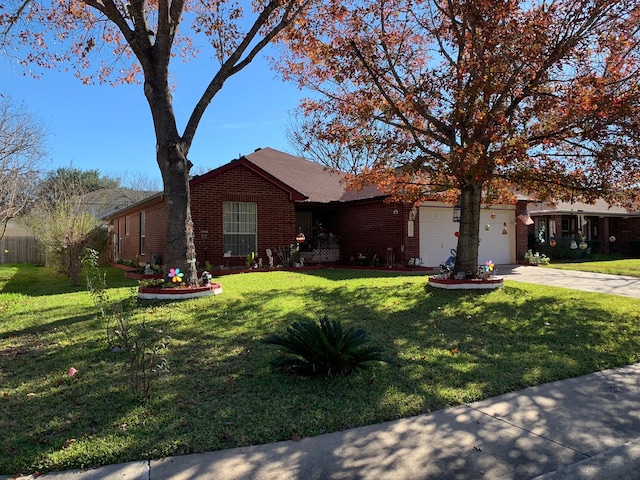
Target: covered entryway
(437,234)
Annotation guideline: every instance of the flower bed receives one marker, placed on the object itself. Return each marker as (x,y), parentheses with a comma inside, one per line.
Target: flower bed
(467,284)
(142,276)
(178,293)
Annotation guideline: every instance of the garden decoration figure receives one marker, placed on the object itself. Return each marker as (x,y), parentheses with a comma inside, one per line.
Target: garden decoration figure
(175,275)
(485,271)
(206,278)
(447,267)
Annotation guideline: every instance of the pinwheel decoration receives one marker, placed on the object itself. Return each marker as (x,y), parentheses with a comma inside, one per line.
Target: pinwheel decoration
(175,275)
(488,265)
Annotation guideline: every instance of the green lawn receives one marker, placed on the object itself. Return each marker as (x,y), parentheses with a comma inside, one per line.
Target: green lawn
(630,267)
(445,348)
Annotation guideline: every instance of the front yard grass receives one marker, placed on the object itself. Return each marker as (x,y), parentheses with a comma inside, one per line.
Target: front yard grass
(444,348)
(629,267)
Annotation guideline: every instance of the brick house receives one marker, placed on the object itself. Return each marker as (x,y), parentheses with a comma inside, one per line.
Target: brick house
(264,200)
(605,229)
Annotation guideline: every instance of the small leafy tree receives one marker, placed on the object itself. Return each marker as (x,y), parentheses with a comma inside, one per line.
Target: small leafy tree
(65,227)
(96,280)
(71,179)
(144,345)
(323,349)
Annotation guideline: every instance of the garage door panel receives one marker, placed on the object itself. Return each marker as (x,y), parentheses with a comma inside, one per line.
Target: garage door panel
(437,235)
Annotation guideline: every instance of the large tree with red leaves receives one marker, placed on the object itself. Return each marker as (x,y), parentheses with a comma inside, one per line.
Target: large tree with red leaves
(126,41)
(474,100)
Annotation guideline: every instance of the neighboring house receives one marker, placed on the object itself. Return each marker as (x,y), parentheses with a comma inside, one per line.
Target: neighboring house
(605,229)
(19,244)
(16,230)
(264,200)
(104,202)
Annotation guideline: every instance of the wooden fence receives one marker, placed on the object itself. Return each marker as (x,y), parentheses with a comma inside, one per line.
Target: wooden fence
(21,250)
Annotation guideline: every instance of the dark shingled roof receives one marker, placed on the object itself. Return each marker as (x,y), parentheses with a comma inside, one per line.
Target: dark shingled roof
(300,177)
(312,179)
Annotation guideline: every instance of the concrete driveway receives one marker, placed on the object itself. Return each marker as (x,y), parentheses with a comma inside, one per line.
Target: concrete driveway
(591,282)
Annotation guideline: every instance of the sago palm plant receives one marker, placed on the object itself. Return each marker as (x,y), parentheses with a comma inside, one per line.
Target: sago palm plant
(323,349)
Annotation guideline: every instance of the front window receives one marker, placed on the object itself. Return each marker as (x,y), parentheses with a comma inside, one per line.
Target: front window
(240,229)
(142,232)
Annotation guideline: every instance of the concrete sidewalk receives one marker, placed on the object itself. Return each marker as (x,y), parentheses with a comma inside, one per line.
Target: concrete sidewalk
(584,428)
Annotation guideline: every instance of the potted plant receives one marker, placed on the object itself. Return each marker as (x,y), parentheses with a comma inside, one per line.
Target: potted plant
(535,258)
(250,260)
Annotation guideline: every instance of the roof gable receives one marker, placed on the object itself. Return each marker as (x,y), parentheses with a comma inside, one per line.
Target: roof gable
(294,193)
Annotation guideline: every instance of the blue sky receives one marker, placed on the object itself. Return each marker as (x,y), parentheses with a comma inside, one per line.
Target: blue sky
(110,128)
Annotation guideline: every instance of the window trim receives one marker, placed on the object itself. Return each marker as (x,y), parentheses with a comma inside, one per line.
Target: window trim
(120,235)
(252,231)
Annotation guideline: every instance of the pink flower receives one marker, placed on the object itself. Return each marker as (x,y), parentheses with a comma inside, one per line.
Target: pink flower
(72,371)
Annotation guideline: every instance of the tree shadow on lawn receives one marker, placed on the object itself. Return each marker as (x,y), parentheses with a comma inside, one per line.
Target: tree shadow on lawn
(34,281)
(445,348)
(344,273)
(60,421)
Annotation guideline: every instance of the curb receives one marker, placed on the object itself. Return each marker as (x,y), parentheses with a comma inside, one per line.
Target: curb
(619,463)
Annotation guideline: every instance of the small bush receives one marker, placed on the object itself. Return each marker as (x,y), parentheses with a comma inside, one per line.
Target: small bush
(143,344)
(323,349)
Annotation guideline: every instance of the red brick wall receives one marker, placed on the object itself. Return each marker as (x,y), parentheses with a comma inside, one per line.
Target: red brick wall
(276,214)
(370,228)
(624,229)
(154,233)
(521,232)
(130,238)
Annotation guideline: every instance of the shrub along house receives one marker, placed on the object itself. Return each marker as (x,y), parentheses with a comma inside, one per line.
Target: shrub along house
(265,200)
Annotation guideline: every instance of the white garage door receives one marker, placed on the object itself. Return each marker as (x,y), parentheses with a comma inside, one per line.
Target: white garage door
(437,234)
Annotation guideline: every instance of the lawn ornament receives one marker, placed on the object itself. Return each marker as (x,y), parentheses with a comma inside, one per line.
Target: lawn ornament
(447,267)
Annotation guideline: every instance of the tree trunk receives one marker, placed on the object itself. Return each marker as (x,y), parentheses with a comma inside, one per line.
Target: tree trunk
(469,238)
(171,154)
(172,159)
(72,252)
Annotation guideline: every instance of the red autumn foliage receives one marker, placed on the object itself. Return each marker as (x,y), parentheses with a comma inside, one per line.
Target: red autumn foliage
(474,100)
